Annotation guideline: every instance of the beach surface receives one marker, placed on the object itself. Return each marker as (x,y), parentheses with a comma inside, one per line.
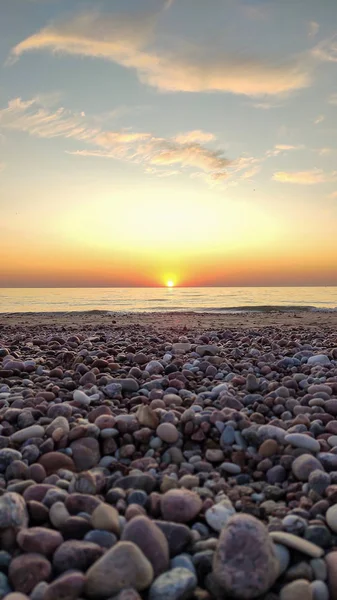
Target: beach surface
(180,455)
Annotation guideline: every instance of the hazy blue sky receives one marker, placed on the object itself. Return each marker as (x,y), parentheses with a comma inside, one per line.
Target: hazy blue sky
(141,139)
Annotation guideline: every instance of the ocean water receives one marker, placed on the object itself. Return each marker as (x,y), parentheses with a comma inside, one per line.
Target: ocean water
(218,299)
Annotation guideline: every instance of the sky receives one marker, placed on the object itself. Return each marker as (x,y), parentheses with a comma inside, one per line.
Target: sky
(150,141)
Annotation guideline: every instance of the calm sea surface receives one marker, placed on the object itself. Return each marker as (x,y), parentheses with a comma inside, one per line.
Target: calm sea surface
(165,299)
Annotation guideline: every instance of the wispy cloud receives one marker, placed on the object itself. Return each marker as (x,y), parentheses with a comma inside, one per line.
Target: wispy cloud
(194,136)
(333,99)
(311,177)
(185,152)
(313,28)
(129,41)
(324,151)
(289,147)
(266,105)
(319,119)
(326,50)
(279,148)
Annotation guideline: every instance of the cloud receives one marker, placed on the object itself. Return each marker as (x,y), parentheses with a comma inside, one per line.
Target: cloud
(313,28)
(311,177)
(319,119)
(324,151)
(266,105)
(194,136)
(39,121)
(333,196)
(185,152)
(128,40)
(326,50)
(333,99)
(288,147)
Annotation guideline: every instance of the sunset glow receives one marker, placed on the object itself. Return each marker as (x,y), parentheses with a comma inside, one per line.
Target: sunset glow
(125,165)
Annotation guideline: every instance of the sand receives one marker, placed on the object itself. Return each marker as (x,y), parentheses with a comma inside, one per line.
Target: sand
(176,320)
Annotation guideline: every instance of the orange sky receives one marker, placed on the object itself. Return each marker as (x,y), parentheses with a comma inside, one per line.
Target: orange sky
(138,145)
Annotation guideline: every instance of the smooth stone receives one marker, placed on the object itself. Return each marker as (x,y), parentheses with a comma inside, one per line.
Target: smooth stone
(332,441)
(122,566)
(319,359)
(183,561)
(167,433)
(297,590)
(58,514)
(81,398)
(331,562)
(85,453)
(219,514)
(5,588)
(302,441)
(319,568)
(35,431)
(39,539)
(180,506)
(331,517)
(68,586)
(16,596)
(230,468)
(178,536)
(105,539)
(177,584)
(13,511)
(151,540)
(147,417)
(283,556)
(297,543)
(27,570)
(106,517)
(54,461)
(252,575)
(303,465)
(76,554)
(268,448)
(320,590)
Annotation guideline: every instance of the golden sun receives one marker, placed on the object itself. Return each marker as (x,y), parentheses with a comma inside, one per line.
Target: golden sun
(170,283)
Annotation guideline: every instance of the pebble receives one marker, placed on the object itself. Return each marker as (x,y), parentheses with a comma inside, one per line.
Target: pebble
(331,517)
(252,575)
(218,515)
(13,511)
(297,543)
(121,566)
(106,517)
(299,589)
(168,433)
(303,465)
(177,584)
(27,570)
(39,539)
(302,441)
(180,506)
(151,541)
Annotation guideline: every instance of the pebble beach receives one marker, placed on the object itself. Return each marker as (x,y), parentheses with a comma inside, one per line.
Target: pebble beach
(175,456)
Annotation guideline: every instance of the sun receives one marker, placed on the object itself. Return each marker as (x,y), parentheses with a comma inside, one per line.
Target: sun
(170,283)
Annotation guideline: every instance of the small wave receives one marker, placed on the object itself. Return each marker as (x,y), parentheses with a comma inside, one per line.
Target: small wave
(266,309)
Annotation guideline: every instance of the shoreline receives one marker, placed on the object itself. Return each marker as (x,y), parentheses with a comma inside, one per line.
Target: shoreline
(172,320)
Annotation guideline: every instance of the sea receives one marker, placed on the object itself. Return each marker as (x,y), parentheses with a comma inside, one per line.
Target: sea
(201,299)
